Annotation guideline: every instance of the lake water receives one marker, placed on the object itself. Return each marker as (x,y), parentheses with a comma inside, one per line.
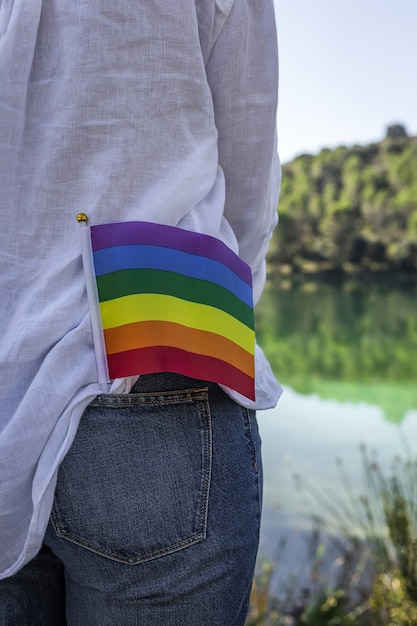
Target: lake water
(346,354)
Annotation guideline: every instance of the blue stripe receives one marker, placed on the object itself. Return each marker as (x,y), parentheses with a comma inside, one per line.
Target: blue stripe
(118,258)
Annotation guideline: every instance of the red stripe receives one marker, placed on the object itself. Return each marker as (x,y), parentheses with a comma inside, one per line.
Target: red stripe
(167,359)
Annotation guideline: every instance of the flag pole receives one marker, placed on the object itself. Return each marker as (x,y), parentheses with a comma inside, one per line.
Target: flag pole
(93,302)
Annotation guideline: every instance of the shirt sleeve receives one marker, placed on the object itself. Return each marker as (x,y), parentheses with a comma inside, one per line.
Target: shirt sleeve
(242,71)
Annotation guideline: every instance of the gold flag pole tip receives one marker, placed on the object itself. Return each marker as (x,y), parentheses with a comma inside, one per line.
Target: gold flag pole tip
(81,217)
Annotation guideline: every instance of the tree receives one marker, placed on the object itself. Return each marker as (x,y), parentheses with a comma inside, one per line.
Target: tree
(354,206)
(396,131)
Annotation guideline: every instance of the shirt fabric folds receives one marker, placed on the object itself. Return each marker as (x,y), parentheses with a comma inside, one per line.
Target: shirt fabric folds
(157,111)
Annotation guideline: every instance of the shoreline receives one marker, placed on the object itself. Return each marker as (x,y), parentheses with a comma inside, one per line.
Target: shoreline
(328,273)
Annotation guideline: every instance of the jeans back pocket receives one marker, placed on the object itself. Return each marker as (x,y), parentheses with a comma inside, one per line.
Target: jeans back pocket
(135,483)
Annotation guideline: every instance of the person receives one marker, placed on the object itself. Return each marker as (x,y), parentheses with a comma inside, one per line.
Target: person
(141,505)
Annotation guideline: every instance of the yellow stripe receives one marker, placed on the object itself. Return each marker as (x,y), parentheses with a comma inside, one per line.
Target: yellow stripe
(145,307)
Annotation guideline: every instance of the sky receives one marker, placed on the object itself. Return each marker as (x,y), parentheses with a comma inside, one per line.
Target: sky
(348,69)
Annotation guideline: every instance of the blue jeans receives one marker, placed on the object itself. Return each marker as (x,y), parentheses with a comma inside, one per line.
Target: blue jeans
(156,515)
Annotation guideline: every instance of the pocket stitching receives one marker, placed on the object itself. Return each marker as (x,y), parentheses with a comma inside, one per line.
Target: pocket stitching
(151,398)
(149,556)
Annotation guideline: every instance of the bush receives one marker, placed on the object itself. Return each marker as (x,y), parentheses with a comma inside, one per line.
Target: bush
(375,550)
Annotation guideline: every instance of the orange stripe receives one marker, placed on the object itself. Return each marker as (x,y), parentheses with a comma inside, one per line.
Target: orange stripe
(154,333)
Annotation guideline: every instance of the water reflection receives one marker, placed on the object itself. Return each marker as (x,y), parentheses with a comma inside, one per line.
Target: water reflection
(306,436)
(346,354)
(349,340)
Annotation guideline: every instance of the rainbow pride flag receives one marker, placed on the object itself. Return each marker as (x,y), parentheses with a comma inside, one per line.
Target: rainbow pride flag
(172,300)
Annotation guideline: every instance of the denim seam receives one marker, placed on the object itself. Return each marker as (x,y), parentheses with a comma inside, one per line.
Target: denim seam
(160,398)
(250,437)
(256,461)
(206,477)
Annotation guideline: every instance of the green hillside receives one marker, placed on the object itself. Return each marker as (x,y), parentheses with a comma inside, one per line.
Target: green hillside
(351,209)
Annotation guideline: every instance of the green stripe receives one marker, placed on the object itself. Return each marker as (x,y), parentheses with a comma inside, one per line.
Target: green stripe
(135,281)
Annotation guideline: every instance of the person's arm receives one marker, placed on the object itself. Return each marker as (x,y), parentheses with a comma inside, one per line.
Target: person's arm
(242,72)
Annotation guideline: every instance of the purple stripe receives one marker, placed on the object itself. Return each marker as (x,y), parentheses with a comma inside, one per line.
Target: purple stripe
(128,233)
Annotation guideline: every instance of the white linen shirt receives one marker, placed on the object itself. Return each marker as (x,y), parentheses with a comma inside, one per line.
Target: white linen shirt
(156,110)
